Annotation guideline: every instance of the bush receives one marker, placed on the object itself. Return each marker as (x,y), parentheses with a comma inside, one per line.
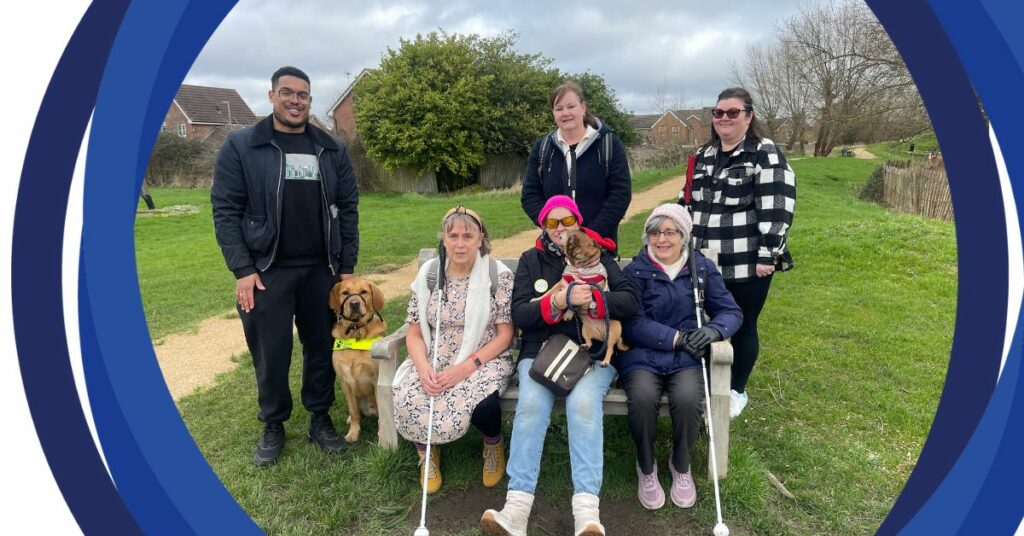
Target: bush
(874,189)
(179,161)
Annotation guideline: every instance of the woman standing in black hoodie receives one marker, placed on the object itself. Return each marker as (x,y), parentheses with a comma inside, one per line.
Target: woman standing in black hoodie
(582,159)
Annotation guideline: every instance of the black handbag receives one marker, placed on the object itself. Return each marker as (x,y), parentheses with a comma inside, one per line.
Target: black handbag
(560,364)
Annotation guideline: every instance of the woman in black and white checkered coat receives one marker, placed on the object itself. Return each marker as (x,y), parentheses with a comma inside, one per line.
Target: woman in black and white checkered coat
(743,194)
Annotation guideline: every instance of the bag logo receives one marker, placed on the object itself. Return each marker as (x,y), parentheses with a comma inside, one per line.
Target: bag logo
(561,361)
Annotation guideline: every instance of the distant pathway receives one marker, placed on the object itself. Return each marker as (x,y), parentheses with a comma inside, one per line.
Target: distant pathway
(861,152)
(190,361)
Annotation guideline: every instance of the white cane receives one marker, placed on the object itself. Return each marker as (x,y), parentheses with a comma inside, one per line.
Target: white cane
(422,529)
(720,528)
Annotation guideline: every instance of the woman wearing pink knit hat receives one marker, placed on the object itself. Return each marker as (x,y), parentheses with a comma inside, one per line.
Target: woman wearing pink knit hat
(540,315)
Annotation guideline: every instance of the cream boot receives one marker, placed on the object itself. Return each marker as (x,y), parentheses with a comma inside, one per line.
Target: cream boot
(512,519)
(587,514)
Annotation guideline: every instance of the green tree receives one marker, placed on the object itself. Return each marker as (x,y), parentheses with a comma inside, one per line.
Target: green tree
(426,106)
(443,102)
(602,102)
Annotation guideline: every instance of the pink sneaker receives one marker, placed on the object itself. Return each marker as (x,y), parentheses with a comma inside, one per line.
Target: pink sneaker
(649,489)
(684,493)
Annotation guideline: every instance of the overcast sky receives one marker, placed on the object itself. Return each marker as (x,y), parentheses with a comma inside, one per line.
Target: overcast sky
(683,47)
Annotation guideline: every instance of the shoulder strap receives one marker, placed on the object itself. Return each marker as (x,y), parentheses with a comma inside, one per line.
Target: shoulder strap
(493,269)
(606,140)
(543,156)
(432,274)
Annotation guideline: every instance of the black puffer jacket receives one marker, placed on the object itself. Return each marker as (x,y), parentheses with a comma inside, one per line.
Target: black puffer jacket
(534,317)
(246,195)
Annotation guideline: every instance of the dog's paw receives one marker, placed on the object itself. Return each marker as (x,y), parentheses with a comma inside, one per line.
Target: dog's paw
(353,435)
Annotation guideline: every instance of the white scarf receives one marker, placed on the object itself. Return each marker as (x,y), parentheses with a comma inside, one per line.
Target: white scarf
(672,270)
(478,303)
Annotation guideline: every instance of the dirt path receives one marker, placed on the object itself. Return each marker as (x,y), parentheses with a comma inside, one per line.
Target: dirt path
(860,152)
(191,361)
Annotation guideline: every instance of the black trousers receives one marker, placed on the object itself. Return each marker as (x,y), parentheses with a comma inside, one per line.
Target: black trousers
(750,296)
(685,392)
(487,416)
(296,294)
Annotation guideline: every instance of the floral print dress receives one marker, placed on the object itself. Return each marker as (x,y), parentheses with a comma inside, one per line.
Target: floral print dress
(453,407)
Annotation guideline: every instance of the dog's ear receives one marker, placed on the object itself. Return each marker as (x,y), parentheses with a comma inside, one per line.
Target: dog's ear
(377,297)
(335,301)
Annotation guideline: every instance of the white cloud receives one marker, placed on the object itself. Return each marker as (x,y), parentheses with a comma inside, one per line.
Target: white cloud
(636,47)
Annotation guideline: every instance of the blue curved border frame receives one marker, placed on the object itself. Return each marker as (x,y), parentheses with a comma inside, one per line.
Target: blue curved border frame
(127,59)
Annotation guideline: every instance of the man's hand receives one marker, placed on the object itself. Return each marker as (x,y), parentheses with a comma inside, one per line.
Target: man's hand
(346,276)
(244,292)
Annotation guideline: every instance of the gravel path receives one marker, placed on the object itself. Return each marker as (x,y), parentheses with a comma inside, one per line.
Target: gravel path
(192,360)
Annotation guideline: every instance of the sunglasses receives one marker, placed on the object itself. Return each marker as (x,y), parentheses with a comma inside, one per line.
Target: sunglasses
(733,113)
(568,221)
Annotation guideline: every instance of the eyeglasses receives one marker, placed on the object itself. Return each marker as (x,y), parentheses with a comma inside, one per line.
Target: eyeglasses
(668,233)
(733,113)
(568,221)
(286,94)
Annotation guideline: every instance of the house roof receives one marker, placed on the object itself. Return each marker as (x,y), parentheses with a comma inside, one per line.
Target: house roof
(203,104)
(701,114)
(348,91)
(643,121)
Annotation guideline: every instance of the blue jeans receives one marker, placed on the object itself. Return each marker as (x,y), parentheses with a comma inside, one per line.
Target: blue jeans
(585,416)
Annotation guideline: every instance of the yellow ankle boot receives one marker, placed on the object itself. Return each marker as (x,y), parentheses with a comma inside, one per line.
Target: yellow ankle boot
(494,464)
(433,472)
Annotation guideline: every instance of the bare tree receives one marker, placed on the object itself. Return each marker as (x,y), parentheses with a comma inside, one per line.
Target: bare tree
(666,98)
(855,76)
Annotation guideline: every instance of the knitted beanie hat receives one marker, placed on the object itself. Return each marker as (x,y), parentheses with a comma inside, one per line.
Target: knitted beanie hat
(559,201)
(674,212)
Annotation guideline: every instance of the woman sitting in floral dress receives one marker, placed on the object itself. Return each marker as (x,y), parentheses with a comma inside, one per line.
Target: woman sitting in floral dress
(474,361)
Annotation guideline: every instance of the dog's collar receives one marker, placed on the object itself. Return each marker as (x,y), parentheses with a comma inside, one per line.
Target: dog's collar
(354,344)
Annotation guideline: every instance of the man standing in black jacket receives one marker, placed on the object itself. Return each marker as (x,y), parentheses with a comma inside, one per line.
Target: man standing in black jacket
(285,211)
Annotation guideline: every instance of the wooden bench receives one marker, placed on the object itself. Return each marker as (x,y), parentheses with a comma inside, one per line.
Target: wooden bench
(390,349)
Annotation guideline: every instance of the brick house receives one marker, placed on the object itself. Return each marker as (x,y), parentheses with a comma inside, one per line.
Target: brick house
(642,125)
(200,112)
(342,114)
(682,127)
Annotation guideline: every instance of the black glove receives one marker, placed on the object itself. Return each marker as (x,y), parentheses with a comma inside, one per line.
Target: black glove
(696,341)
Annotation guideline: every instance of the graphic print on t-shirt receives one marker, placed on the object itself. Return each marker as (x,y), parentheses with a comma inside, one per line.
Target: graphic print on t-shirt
(301,167)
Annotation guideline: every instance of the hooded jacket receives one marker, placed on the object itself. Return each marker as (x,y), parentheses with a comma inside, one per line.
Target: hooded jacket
(666,306)
(602,200)
(537,271)
(248,182)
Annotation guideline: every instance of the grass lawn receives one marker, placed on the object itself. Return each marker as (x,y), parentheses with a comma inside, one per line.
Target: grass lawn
(183,278)
(901,151)
(855,343)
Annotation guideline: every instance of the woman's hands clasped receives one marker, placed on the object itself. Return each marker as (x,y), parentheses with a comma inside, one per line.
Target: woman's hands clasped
(435,383)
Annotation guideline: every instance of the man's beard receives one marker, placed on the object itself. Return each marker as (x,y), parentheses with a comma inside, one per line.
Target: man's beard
(291,124)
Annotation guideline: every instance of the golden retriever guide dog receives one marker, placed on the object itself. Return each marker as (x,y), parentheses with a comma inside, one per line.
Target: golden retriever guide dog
(357,303)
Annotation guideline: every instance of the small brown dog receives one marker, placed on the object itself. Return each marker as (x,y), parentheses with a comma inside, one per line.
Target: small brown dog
(357,303)
(583,261)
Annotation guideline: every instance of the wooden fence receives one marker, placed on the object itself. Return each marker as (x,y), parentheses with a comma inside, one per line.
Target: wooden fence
(920,188)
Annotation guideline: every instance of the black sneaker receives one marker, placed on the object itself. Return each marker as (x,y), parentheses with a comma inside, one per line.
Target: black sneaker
(321,432)
(270,446)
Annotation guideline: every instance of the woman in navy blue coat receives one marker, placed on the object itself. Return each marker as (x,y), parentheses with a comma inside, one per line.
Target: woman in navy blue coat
(665,346)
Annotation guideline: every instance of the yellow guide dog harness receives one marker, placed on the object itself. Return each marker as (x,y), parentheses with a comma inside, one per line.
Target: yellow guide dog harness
(354,344)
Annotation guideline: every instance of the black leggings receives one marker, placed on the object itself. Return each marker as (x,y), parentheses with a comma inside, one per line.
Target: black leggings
(487,416)
(750,296)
